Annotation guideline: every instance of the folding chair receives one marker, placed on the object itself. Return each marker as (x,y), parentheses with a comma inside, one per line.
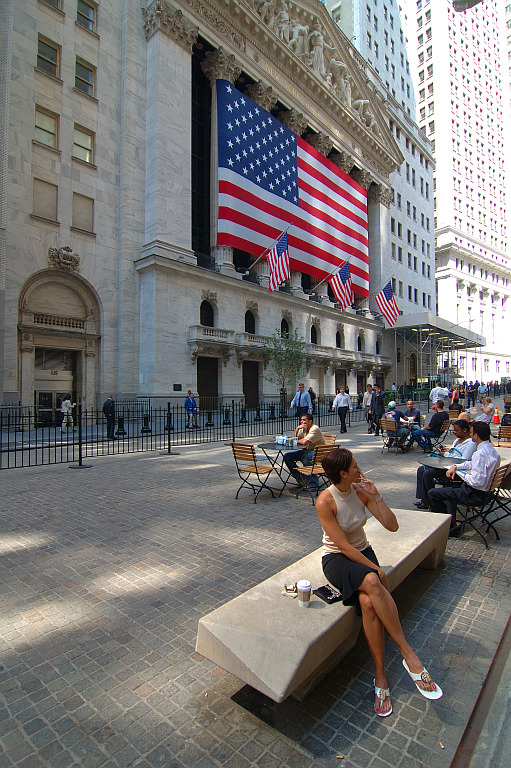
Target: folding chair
(504,437)
(329,439)
(453,416)
(494,501)
(500,503)
(315,469)
(248,466)
(437,441)
(388,431)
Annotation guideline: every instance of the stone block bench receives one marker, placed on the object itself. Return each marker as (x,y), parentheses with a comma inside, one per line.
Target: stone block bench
(280,649)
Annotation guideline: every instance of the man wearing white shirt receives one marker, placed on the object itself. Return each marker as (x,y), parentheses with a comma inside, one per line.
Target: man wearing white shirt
(342,403)
(438,392)
(366,403)
(476,475)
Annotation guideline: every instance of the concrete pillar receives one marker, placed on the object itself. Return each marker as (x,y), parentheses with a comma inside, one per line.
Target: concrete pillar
(27,351)
(378,211)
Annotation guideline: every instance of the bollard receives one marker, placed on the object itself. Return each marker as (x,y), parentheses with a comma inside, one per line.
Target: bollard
(243,418)
(120,426)
(258,414)
(209,422)
(146,428)
(272,413)
(227,418)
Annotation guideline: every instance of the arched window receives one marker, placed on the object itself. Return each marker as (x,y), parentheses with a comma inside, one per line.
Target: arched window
(314,335)
(249,322)
(207,314)
(338,340)
(284,327)
(377,346)
(360,343)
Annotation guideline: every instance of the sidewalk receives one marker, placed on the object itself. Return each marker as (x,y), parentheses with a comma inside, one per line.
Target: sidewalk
(106,571)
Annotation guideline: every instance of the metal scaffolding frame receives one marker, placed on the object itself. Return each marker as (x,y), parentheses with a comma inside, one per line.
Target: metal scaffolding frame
(436,344)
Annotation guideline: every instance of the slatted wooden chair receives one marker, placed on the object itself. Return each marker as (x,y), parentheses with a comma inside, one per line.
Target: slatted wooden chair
(315,470)
(504,437)
(437,441)
(251,472)
(329,439)
(495,507)
(388,431)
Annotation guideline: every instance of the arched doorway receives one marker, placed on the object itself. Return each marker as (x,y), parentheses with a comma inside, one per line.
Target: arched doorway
(59,340)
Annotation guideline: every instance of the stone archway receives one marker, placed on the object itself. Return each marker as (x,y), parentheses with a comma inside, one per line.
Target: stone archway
(58,321)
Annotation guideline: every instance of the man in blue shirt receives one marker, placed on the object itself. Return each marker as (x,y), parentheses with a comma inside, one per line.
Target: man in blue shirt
(413,415)
(191,410)
(402,432)
(302,401)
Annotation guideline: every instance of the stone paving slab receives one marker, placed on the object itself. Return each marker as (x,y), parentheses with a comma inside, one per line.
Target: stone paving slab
(106,571)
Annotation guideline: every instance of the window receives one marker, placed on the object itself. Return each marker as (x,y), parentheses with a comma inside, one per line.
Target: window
(314,335)
(416,295)
(423,299)
(207,316)
(410,293)
(86,15)
(48,57)
(84,78)
(45,200)
(399,229)
(249,322)
(415,264)
(400,255)
(83,144)
(83,213)
(393,226)
(409,261)
(400,289)
(393,249)
(408,208)
(399,201)
(284,326)
(46,127)
(429,272)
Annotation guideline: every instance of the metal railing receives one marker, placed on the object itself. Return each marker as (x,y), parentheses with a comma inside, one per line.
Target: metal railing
(31,436)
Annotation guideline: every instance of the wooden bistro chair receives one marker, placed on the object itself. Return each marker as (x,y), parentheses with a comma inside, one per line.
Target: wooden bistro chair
(316,470)
(436,442)
(453,416)
(388,431)
(251,472)
(495,507)
(504,437)
(329,439)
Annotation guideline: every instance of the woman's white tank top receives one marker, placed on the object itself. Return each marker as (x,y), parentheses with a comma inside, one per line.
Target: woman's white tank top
(351,516)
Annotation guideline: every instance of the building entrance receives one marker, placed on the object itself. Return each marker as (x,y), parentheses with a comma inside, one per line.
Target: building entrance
(55,376)
(207,381)
(251,383)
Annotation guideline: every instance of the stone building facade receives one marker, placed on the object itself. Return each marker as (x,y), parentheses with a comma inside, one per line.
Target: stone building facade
(113,281)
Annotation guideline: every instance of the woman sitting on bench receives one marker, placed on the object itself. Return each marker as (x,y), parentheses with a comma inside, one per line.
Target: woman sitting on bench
(350,565)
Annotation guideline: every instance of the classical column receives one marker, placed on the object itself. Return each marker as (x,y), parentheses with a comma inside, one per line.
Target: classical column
(294,120)
(321,142)
(296,283)
(343,160)
(219,65)
(262,270)
(262,95)
(27,351)
(378,213)
(168,187)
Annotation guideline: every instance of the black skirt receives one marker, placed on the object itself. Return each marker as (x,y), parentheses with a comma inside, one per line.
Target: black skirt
(347,576)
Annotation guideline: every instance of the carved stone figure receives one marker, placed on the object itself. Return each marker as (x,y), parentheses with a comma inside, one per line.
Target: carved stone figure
(283,24)
(345,90)
(299,41)
(359,106)
(266,10)
(340,81)
(318,46)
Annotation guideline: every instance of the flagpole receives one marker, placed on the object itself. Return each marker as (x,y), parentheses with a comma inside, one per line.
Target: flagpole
(271,246)
(337,269)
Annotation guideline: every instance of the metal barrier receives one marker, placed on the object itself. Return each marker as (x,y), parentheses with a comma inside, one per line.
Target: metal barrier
(27,440)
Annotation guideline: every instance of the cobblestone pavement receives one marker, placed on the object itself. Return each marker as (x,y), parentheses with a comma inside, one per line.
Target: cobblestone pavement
(106,571)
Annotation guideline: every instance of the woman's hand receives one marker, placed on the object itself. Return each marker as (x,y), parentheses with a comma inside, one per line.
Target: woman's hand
(366,485)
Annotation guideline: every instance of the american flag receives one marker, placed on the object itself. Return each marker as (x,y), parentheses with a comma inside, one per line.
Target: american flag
(386,302)
(268,179)
(278,259)
(341,286)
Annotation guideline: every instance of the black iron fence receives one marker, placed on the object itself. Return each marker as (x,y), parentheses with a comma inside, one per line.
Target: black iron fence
(30,436)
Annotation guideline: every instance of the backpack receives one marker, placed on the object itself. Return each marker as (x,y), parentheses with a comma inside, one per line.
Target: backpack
(506,420)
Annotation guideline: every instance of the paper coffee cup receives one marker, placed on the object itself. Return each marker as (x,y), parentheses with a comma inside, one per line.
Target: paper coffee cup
(303,588)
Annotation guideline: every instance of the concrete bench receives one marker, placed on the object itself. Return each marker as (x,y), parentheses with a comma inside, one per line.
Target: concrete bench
(269,642)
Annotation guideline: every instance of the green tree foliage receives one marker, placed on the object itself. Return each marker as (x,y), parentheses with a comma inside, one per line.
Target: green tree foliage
(286,357)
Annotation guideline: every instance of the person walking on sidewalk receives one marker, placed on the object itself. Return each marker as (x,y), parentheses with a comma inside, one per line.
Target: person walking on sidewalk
(302,402)
(342,404)
(66,409)
(191,410)
(377,408)
(109,411)
(366,404)
(351,566)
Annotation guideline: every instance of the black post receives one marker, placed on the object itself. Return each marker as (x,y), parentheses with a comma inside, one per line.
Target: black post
(146,428)
(168,429)
(258,414)
(272,416)
(120,426)
(80,464)
(233,424)
(243,417)
(227,417)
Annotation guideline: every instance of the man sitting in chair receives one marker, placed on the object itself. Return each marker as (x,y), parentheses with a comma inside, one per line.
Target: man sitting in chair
(309,437)
(421,436)
(398,416)
(476,475)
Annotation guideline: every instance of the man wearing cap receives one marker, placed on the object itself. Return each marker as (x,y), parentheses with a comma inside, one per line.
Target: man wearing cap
(402,432)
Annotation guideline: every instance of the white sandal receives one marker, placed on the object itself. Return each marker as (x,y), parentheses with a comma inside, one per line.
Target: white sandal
(382,694)
(426,678)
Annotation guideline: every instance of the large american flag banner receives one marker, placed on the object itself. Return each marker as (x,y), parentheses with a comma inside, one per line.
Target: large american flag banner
(387,305)
(278,259)
(269,178)
(341,286)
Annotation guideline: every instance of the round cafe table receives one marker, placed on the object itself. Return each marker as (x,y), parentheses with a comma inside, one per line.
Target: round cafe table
(274,452)
(439,462)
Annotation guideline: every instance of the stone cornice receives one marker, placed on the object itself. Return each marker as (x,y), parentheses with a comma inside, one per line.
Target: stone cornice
(160,16)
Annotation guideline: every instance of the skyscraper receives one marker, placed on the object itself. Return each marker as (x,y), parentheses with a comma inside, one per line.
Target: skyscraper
(462,107)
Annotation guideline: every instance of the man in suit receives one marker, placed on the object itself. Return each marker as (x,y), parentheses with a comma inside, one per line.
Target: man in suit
(377,408)
(109,411)
(302,402)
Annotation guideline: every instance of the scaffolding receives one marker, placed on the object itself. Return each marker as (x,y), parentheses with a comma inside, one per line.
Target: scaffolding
(429,348)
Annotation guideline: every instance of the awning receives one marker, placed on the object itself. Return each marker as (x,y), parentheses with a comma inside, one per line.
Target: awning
(426,324)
